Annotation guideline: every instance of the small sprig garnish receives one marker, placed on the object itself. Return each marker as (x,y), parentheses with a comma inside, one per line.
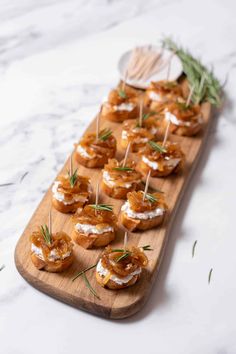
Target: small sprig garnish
(104,134)
(206,86)
(147,115)
(151,198)
(2,267)
(193,249)
(83,271)
(73,178)
(46,234)
(89,286)
(105,207)
(122,94)
(86,281)
(125,168)
(157,147)
(209,275)
(127,253)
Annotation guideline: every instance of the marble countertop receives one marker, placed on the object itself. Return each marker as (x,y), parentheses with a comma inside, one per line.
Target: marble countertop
(57,61)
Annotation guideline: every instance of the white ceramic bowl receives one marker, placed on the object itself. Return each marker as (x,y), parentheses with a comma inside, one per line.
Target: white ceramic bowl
(176,68)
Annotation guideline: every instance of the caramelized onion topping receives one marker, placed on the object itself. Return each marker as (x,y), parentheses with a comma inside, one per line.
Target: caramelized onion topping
(115,98)
(80,187)
(173,151)
(100,218)
(138,205)
(182,112)
(166,87)
(98,147)
(135,259)
(122,176)
(61,243)
(136,133)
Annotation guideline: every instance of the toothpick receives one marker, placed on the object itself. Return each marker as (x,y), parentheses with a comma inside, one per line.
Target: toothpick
(125,239)
(166,133)
(146,185)
(71,165)
(126,154)
(124,81)
(50,222)
(189,96)
(97,125)
(97,193)
(169,66)
(141,113)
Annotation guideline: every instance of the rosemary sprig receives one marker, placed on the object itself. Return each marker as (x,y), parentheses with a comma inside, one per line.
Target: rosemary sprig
(147,115)
(105,207)
(83,271)
(125,168)
(122,94)
(151,198)
(73,178)
(2,267)
(89,286)
(209,275)
(206,86)
(104,134)
(127,253)
(46,234)
(193,249)
(157,147)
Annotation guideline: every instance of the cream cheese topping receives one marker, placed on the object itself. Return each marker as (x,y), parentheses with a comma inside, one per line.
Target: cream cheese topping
(103,272)
(53,255)
(174,120)
(111,183)
(155,96)
(152,164)
(83,152)
(124,107)
(61,197)
(88,229)
(141,216)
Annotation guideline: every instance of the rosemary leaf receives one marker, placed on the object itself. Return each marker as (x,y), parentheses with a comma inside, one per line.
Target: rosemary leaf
(73,178)
(89,286)
(6,184)
(147,115)
(105,134)
(123,256)
(23,176)
(157,147)
(2,267)
(147,248)
(105,207)
(151,198)
(84,271)
(209,276)
(193,249)
(125,168)
(122,94)
(46,234)
(206,86)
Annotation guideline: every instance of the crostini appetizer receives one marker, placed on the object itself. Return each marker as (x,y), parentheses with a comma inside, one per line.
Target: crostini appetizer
(143,212)
(119,179)
(160,93)
(94,226)
(93,151)
(118,269)
(186,120)
(122,104)
(52,252)
(135,134)
(70,192)
(162,161)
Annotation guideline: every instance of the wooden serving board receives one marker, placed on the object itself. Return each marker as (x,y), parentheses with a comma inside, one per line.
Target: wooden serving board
(112,304)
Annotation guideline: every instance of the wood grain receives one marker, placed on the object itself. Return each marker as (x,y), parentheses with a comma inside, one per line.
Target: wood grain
(125,302)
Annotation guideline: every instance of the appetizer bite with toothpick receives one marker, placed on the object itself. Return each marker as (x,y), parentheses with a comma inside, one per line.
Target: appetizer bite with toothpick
(161,160)
(119,178)
(135,133)
(142,210)
(160,93)
(94,226)
(186,118)
(122,104)
(121,268)
(94,149)
(70,191)
(52,252)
